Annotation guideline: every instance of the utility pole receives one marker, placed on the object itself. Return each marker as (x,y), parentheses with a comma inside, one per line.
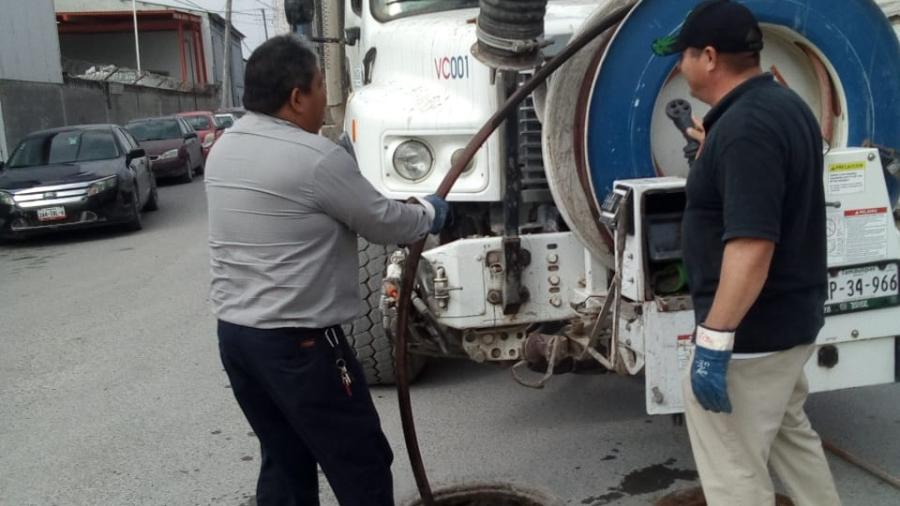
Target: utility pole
(265,23)
(137,45)
(226,66)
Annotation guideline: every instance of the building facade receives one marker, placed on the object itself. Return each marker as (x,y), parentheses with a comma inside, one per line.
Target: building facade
(183,44)
(29,50)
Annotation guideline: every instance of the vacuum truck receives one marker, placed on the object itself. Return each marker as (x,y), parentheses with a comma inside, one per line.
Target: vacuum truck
(564,251)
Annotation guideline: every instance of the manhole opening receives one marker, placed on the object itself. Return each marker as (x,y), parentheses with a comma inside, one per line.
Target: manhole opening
(489,495)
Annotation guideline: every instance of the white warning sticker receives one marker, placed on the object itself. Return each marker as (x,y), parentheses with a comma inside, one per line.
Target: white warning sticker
(857,235)
(684,349)
(846,178)
(836,236)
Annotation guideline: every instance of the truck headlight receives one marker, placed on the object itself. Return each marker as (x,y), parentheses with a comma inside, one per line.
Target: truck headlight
(7,199)
(172,153)
(413,160)
(102,186)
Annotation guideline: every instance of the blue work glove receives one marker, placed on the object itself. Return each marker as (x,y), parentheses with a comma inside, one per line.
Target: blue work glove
(709,368)
(441,210)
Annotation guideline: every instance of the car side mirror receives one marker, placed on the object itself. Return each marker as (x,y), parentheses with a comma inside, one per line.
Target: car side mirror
(135,153)
(190,135)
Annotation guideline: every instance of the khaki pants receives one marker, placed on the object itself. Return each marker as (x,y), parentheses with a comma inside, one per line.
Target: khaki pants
(767,427)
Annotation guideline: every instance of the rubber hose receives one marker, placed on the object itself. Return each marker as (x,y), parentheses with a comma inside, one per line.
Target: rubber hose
(512,19)
(865,466)
(415,251)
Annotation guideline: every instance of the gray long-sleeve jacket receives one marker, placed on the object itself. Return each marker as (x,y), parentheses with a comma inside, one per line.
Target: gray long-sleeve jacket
(285,208)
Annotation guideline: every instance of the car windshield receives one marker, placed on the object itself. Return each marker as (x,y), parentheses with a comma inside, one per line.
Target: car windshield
(386,10)
(69,146)
(155,130)
(224,121)
(198,122)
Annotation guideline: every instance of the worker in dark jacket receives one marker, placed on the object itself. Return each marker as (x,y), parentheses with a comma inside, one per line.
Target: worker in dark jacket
(754,247)
(285,208)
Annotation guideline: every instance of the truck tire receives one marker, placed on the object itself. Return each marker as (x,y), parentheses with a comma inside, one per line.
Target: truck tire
(366,335)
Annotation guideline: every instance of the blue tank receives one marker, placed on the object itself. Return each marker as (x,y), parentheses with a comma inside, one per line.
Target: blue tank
(853,36)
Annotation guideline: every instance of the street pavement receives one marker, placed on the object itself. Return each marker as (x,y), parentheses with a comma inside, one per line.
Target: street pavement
(112,393)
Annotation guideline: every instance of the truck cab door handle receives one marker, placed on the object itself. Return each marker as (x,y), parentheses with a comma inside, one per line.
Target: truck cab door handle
(351,35)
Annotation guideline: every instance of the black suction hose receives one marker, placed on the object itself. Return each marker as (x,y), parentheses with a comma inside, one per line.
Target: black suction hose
(415,251)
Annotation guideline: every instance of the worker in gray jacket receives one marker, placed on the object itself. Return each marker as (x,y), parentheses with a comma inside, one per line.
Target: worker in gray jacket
(285,208)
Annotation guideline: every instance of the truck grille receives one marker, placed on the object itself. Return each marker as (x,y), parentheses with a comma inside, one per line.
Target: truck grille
(531,159)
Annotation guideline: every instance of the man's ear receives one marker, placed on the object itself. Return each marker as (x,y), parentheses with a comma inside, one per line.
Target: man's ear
(297,101)
(710,58)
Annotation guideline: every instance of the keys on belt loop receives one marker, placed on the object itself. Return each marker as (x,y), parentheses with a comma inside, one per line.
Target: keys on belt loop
(331,337)
(346,380)
(340,363)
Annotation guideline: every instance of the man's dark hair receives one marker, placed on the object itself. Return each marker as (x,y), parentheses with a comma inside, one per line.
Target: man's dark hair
(274,69)
(739,63)
(736,63)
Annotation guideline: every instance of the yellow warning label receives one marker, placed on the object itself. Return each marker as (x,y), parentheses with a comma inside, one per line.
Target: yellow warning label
(840,167)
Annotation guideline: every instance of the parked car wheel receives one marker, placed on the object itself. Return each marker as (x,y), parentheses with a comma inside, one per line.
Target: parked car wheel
(188,175)
(135,223)
(152,203)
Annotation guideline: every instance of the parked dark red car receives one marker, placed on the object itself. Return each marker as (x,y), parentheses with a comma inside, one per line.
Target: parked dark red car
(208,129)
(171,144)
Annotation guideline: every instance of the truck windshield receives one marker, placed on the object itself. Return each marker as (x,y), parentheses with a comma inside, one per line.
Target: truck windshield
(386,10)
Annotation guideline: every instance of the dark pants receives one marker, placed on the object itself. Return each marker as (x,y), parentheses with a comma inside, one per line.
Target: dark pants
(290,390)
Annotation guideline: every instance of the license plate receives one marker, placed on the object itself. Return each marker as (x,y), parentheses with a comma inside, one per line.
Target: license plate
(864,287)
(51,213)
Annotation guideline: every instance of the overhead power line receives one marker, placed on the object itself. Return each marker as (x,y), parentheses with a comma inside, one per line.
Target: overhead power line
(196,7)
(190,4)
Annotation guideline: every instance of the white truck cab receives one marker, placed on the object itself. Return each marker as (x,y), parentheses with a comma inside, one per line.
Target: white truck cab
(415,86)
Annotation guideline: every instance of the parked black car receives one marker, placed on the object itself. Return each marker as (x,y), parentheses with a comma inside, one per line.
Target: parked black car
(172,145)
(75,176)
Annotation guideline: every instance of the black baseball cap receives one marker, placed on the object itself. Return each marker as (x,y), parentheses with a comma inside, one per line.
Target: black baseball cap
(727,26)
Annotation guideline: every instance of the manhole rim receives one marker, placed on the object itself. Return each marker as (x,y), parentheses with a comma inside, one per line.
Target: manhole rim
(458,490)
(694,496)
